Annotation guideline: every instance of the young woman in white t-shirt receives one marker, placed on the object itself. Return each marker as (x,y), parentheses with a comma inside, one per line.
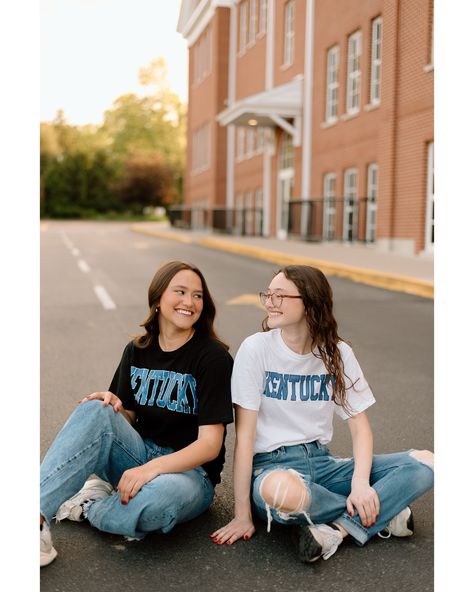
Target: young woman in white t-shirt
(287,383)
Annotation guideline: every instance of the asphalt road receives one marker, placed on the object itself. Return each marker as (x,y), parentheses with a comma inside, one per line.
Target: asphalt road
(81,344)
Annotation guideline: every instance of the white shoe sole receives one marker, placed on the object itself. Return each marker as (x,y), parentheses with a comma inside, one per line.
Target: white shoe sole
(47,558)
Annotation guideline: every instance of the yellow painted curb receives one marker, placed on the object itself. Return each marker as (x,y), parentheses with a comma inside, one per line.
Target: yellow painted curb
(362,275)
(380,279)
(161,233)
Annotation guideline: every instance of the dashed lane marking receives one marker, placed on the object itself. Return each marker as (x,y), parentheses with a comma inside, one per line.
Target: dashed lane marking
(104,298)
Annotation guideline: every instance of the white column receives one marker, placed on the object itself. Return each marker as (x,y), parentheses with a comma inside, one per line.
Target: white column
(230,101)
(307,111)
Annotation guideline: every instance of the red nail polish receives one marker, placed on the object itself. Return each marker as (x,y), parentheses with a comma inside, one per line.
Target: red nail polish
(246,538)
(124,503)
(229,543)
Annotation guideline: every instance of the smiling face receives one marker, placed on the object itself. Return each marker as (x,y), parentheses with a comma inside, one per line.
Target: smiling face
(291,312)
(181,303)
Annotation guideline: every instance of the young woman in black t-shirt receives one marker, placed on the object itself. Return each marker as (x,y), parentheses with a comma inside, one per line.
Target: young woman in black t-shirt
(150,449)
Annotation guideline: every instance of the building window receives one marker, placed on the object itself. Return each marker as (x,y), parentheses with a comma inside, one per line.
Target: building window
(262,24)
(250,142)
(354,51)
(286,152)
(332,83)
(240,152)
(202,57)
(431,38)
(376,61)
(289,39)
(253,21)
(259,211)
(429,235)
(201,149)
(329,195)
(260,139)
(372,183)
(249,211)
(349,226)
(243,26)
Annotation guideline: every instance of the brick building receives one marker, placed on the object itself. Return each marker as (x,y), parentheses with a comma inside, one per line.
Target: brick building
(311,118)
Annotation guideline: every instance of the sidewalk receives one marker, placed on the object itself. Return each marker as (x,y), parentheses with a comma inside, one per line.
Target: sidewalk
(363,264)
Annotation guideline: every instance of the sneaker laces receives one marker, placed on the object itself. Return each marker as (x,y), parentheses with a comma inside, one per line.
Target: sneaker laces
(331,539)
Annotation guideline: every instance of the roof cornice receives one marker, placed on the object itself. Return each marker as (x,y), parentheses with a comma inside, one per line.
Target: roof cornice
(192,24)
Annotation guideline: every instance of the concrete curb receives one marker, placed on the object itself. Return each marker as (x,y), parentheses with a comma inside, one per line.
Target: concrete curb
(362,275)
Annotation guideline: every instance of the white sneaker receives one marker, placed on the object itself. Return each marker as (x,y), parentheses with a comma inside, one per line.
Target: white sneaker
(93,489)
(318,541)
(402,525)
(47,552)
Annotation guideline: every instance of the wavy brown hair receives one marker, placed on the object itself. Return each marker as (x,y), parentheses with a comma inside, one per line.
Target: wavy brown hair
(316,294)
(161,280)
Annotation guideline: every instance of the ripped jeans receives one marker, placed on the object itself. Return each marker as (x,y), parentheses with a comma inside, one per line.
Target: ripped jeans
(97,440)
(398,479)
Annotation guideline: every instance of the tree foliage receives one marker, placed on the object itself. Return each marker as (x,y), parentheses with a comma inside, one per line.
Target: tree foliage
(133,160)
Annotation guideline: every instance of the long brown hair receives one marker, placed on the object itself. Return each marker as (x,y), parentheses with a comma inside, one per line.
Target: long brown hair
(204,325)
(316,294)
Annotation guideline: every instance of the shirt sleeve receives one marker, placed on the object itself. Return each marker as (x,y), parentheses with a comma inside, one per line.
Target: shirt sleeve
(359,395)
(248,376)
(121,383)
(213,387)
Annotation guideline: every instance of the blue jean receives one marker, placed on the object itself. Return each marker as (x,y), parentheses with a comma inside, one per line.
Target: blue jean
(397,478)
(96,439)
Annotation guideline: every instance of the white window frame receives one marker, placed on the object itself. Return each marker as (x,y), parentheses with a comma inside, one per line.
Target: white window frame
(332,83)
(201,149)
(429,225)
(250,142)
(253,21)
(260,140)
(202,57)
(258,211)
(248,218)
(349,226)
(289,34)
(354,56)
(239,213)
(243,27)
(372,190)
(329,211)
(376,61)
(262,20)
(240,151)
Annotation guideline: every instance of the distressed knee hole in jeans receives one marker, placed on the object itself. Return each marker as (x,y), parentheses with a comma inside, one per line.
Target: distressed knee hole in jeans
(276,494)
(424,456)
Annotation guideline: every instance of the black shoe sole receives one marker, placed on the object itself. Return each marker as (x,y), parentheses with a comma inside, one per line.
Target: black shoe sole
(309,549)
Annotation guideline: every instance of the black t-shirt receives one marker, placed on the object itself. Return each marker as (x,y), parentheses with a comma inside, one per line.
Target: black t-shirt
(173,393)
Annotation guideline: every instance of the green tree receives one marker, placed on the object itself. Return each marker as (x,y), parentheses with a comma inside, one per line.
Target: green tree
(147,181)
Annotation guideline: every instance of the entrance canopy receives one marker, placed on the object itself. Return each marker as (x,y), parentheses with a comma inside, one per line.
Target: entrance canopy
(271,108)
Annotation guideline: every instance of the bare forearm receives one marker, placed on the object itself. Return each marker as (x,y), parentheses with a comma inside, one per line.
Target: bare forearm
(190,457)
(362,445)
(242,478)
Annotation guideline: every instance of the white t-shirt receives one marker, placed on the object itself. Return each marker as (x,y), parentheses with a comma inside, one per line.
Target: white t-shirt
(291,392)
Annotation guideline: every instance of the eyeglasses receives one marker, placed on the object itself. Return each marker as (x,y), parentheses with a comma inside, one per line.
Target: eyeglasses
(276,299)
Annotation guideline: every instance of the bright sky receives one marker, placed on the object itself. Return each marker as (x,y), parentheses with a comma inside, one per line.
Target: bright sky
(92,50)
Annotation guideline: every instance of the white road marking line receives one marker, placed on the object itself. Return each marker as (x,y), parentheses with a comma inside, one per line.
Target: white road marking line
(104,298)
(66,240)
(83,266)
